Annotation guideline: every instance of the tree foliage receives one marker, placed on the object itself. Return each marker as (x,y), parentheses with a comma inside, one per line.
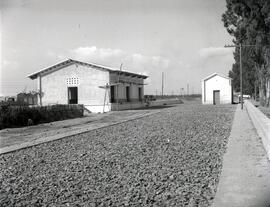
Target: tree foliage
(248,21)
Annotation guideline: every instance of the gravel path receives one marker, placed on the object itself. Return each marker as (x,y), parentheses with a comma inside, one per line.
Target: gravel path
(172,158)
(17,136)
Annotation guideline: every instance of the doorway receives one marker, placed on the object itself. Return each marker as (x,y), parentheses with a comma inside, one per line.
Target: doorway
(128,94)
(140,94)
(72,95)
(216,97)
(112,94)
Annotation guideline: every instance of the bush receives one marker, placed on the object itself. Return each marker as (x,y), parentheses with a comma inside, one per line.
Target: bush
(17,116)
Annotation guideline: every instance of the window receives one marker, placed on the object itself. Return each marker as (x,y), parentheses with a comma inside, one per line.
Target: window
(128,94)
(72,81)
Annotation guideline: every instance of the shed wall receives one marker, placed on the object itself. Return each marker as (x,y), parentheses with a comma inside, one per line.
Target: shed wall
(55,87)
(216,83)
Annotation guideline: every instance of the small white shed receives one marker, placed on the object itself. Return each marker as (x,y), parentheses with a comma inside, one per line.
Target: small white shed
(216,89)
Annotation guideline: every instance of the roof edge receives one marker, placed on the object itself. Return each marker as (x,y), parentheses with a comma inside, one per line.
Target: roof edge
(214,74)
(32,75)
(72,61)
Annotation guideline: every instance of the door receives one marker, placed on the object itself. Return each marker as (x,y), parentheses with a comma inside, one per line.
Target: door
(140,94)
(216,97)
(127,94)
(72,95)
(112,94)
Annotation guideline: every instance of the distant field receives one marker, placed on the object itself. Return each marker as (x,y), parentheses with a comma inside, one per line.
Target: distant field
(172,158)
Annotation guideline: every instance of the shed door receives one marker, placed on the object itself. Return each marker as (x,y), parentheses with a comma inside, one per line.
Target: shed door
(72,95)
(216,97)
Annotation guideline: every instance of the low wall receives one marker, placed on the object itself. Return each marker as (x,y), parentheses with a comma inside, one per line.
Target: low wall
(127,105)
(136,105)
(261,123)
(161,102)
(97,108)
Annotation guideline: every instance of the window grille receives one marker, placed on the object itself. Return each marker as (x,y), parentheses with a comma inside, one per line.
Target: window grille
(73,81)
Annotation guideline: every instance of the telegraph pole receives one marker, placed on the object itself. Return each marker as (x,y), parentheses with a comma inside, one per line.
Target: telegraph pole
(241,68)
(118,82)
(162,84)
(241,76)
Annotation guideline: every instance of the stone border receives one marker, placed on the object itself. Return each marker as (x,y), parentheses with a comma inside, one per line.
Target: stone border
(261,123)
(68,134)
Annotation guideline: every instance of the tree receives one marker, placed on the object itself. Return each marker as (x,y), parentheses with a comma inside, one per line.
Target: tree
(249,23)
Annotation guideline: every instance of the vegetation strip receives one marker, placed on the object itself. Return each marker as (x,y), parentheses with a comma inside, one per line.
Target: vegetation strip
(248,23)
(172,158)
(261,123)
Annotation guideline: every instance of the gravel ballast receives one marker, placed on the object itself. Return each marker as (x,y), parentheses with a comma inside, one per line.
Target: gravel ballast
(173,158)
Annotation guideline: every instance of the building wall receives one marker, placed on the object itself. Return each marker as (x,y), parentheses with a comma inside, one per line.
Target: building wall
(55,87)
(216,83)
(133,82)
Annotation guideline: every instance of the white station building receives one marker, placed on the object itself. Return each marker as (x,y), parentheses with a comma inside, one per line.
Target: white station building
(216,89)
(98,88)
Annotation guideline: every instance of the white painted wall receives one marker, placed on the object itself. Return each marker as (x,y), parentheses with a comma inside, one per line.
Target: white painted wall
(136,83)
(216,82)
(55,87)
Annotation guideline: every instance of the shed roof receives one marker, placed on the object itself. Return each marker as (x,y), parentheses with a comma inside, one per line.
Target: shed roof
(215,74)
(94,65)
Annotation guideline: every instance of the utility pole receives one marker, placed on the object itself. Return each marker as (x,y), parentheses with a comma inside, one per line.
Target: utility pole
(241,77)
(241,69)
(118,82)
(187,89)
(162,84)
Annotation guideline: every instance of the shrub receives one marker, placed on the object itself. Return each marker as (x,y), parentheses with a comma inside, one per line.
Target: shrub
(17,116)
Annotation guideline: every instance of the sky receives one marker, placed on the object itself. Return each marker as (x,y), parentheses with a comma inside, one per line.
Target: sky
(184,39)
